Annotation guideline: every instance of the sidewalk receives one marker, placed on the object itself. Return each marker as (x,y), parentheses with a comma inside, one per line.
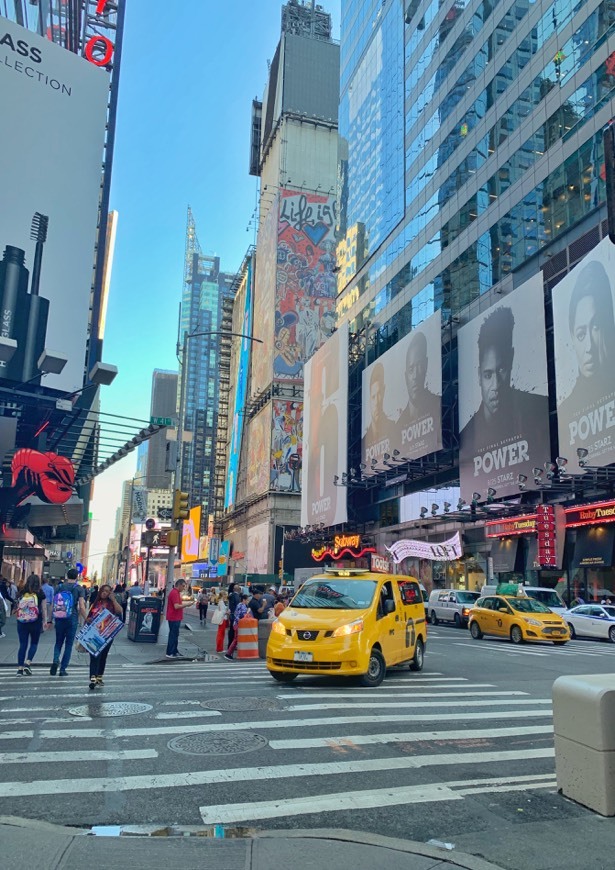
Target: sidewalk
(27,844)
(192,644)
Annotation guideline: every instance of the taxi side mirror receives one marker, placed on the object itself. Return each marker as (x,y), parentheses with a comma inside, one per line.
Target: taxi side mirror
(389,606)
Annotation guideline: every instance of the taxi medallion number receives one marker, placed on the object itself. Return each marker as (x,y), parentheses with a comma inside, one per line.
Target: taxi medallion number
(303,657)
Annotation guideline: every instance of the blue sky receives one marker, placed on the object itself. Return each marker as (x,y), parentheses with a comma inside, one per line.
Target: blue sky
(183,134)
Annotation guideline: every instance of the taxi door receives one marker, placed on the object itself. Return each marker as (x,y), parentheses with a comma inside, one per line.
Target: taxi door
(502,617)
(390,625)
(413,616)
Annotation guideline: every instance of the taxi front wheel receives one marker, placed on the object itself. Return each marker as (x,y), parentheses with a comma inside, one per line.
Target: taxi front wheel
(376,670)
(516,635)
(283,676)
(475,631)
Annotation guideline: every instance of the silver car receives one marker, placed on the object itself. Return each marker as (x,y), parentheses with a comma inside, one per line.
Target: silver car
(591,620)
(451,605)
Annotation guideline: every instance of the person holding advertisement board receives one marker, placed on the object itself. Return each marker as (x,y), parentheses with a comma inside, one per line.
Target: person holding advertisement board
(584,414)
(381,428)
(105,600)
(421,417)
(510,428)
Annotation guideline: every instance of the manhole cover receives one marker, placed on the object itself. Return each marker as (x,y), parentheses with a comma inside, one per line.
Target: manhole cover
(100,711)
(237,704)
(217,743)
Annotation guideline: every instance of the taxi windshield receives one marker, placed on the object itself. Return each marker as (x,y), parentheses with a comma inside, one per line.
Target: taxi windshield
(527,605)
(335,593)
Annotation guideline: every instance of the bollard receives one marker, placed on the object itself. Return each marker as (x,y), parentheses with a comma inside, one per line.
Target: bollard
(583,717)
(247,638)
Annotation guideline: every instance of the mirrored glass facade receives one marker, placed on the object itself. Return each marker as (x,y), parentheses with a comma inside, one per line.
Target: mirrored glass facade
(502,107)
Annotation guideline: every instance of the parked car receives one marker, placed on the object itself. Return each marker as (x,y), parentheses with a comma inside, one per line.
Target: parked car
(591,620)
(451,605)
(349,622)
(518,619)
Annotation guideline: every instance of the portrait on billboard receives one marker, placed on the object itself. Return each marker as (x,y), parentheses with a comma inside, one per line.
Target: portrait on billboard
(503,395)
(50,177)
(584,327)
(404,413)
(259,451)
(257,555)
(286,446)
(325,433)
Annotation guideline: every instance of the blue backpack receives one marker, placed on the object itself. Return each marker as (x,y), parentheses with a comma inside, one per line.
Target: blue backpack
(64,602)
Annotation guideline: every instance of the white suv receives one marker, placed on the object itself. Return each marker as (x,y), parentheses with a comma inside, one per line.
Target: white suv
(451,605)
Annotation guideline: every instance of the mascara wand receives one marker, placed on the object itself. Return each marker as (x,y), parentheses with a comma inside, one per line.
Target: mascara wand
(38,234)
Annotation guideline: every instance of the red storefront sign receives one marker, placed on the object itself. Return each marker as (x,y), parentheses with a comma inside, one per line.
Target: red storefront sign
(545,531)
(590,514)
(525,525)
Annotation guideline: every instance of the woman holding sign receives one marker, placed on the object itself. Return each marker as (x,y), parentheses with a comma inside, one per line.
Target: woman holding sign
(105,601)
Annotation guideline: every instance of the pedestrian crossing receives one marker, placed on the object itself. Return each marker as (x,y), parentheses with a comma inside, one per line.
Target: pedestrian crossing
(327,747)
(573,648)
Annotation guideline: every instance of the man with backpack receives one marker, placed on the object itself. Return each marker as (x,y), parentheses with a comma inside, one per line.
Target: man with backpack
(68,606)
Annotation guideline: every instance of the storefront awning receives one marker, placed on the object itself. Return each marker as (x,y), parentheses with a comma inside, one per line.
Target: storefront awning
(594,547)
(504,554)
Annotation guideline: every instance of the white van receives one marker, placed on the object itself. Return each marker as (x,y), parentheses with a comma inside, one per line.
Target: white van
(546,596)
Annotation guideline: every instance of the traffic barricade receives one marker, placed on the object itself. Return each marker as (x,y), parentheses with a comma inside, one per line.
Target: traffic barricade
(247,638)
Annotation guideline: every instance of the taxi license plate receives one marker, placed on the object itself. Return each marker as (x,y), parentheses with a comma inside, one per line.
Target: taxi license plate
(303,657)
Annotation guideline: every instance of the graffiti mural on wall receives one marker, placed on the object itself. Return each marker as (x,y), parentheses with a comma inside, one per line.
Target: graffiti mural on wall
(264,300)
(287,446)
(259,450)
(306,284)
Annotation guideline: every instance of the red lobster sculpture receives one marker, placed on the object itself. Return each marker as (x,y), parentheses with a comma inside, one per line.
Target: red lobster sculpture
(46,475)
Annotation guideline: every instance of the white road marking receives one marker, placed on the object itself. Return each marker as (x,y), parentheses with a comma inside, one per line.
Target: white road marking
(396,705)
(273,772)
(360,697)
(227,813)
(404,737)
(70,755)
(85,733)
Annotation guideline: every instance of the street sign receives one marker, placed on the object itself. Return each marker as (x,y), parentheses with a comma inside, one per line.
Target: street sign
(165,514)
(162,421)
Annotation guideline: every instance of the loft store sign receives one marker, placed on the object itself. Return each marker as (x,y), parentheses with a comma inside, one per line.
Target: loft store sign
(99,49)
(443,551)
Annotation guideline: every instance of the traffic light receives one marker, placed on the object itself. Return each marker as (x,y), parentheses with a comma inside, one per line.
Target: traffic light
(181,509)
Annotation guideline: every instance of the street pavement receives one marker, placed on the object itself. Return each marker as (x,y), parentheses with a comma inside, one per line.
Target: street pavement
(461,753)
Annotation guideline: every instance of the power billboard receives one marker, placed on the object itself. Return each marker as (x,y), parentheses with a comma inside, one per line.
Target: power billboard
(503,395)
(584,327)
(325,437)
(50,175)
(402,398)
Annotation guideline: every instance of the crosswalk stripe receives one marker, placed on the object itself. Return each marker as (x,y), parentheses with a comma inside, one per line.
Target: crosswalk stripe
(85,733)
(354,800)
(272,772)
(471,702)
(72,756)
(404,737)
(359,696)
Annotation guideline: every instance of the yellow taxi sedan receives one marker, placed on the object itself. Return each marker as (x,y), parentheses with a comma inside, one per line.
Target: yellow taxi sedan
(518,619)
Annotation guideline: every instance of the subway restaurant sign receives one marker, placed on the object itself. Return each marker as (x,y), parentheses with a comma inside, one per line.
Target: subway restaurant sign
(349,546)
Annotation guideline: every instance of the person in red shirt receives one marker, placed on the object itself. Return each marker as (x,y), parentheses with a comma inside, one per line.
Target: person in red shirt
(175,607)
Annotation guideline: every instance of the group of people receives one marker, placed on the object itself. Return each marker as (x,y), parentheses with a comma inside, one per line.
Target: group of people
(232,605)
(40,606)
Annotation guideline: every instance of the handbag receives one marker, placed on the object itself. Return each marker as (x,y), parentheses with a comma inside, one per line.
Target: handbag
(219,617)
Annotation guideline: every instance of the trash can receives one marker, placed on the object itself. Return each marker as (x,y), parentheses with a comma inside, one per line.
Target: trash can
(144,619)
(264,630)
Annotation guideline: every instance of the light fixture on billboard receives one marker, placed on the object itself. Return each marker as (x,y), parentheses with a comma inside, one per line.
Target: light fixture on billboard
(396,454)
(521,480)
(102,374)
(550,468)
(423,513)
(461,504)
(434,509)
(362,466)
(8,346)
(374,463)
(336,480)
(51,362)
(476,497)
(490,494)
(447,506)
(561,462)
(582,454)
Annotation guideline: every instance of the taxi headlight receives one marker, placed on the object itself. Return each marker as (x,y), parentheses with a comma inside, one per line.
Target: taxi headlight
(352,628)
(531,621)
(278,628)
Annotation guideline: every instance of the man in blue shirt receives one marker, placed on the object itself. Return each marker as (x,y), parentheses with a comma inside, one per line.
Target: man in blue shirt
(66,626)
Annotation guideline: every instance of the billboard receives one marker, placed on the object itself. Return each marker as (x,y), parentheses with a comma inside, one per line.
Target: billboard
(257,555)
(584,328)
(503,400)
(325,453)
(306,283)
(286,446)
(50,177)
(404,414)
(240,382)
(259,453)
(191,529)
(264,300)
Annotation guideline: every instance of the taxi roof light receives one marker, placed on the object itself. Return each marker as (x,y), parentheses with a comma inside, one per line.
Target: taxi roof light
(346,572)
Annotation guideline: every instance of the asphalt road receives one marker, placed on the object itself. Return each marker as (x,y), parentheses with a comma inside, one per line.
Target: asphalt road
(462,752)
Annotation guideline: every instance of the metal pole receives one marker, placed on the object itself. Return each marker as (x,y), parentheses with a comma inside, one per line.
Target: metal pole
(127,575)
(177,471)
(146,578)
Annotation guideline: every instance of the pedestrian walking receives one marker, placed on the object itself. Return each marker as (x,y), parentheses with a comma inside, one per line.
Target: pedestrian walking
(5,609)
(202,601)
(121,597)
(240,612)
(175,608)
(105,600)
(68,607)
(32,619)
(234,597)
(14,595)
(47,588)
(221,619)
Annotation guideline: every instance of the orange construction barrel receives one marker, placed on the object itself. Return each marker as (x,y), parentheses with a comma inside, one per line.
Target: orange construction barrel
(247,638)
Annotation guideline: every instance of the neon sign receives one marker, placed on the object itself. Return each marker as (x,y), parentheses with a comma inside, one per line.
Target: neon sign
(98,42)
(343,545)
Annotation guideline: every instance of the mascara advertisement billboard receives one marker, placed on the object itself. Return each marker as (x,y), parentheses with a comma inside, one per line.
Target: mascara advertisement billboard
(325,436)
(503,394)
(584,326)
(402,416)
(50,174)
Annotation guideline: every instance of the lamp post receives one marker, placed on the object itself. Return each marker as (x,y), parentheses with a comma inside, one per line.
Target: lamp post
(188,336)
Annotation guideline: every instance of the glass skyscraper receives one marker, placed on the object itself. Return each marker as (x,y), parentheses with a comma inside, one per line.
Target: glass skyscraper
(474,143)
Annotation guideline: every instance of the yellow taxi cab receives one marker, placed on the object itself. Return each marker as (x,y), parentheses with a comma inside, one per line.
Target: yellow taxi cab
(517,618)
(349,623)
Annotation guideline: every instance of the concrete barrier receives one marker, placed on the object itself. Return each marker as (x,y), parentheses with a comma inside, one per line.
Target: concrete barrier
(584,725)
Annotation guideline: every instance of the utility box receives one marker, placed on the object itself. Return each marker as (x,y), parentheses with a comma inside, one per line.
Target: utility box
(584,725)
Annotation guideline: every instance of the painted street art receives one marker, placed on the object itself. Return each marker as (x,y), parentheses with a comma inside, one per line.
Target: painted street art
(264,301)
(287,446)
(259,450)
